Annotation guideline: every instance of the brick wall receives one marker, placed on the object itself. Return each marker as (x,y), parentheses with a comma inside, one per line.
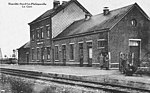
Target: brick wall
(40,43)
(59,22)
(119,36)
(76,40)
(22,55)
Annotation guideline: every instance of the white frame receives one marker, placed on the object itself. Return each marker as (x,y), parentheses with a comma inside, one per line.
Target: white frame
(89,41)
(139,40)
(81,42)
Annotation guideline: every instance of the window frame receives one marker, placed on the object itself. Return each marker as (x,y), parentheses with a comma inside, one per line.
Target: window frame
(103,43)
(71,52)
(48,53)
(57,53)
(37,34)
(42,32)
(64,50)
(33,50)
(134,22)
(33,35)
(38,53)
(48,31)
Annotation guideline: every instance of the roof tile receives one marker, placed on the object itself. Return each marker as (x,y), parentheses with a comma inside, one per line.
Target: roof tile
(97,22)
(26,45)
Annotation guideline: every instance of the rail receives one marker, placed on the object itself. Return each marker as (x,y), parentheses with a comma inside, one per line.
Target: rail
(74,82)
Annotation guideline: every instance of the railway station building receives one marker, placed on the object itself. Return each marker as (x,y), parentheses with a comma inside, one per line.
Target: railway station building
(68,34)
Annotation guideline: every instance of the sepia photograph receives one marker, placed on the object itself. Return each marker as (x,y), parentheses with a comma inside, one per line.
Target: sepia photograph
(75,46)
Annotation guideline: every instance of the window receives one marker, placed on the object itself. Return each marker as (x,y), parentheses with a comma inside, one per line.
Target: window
(71,51)
(42,33)
(133,22)
(48,53)
(64,51)
(89,43)
(38,53)
(102,43)
(42,53)
(81,50)
(32,35)
(32,54)
(133,43)
(80,45)
(56,53)
(38,34)
(48,31)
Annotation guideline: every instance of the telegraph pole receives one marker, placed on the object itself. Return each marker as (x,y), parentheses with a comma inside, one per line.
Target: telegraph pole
(1,54)
(1,57)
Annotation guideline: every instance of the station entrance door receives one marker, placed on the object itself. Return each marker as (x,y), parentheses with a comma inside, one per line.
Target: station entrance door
(135,47)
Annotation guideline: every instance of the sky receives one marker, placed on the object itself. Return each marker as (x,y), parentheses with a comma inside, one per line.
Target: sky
(14,17)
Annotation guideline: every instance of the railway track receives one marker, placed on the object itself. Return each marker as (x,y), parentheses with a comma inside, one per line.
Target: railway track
(87,84)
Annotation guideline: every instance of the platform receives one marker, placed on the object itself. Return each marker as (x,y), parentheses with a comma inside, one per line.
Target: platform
(87,73)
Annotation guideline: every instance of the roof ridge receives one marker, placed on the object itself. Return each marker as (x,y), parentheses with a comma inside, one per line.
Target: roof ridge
(117,9)
(110,11)
(119,12)
(122,7)
(52,9)
(25,45)
(58,9)
(41,15)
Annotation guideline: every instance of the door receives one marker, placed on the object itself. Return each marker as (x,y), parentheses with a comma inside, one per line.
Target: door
(81,57)
(42,55)
(135,53)
(27,55)
(64,54)
(90,53)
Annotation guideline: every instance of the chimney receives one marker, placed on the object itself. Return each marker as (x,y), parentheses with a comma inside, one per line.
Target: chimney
(56,3)
(87,16)
(106,11)
(64,2)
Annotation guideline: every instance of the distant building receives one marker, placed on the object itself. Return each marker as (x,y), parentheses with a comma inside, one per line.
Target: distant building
(69,35)
(23,54)
(1,56)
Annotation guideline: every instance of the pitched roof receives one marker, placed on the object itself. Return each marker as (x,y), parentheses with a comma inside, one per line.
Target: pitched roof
(26,45)
(97,22)
(52,12)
